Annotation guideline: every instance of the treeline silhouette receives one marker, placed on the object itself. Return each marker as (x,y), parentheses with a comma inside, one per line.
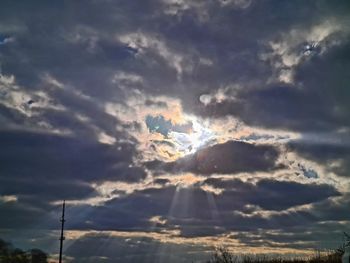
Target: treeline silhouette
(223,256)
(10,254)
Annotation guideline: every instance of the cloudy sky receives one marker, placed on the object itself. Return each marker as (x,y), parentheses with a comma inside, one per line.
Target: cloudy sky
(174,126)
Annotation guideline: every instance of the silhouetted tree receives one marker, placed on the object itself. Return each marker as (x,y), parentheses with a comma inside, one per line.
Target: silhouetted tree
(38,256)
(9,254)
(19,256)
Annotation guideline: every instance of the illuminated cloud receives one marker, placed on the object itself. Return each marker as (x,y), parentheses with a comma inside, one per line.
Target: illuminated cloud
(173,126)
(297,45)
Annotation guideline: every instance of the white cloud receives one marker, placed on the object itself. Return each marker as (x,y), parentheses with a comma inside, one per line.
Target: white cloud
(178,7)
(144,43)
(26,102)
(241,4)
(105,138)
(293,47)
(200,8)
(7,40)
(124,80)
(8,198)
(227,93)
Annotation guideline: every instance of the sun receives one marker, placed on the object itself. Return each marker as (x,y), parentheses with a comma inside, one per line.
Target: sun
(172,139)
(190,142)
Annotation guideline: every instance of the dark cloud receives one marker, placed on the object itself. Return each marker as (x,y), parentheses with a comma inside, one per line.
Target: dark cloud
(104,248)
(307,194)
(320,105)
(46,157)
(70,59)
(336,154)
(43,157)
(159,104)
(21,216)
(226,158)
(320,227)
(270,194)
(41,168)
(94,55)
(46,190)
(199,213)
(161,181)
(284,107)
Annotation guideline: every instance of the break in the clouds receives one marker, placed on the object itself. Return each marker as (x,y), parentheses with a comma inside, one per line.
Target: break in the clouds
(172,126)
(186,138)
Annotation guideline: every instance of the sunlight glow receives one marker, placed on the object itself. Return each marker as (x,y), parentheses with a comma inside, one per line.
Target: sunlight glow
(187,143)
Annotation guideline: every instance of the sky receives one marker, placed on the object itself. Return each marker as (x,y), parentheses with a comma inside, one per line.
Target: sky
(172,127)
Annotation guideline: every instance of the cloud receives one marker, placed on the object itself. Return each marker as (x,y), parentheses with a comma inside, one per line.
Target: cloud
(40,169)
(270,194)
(300,44)
(179,118)
(335,155)
(50,156)
(227,158)
(149,250)
(144,43)
(241,206)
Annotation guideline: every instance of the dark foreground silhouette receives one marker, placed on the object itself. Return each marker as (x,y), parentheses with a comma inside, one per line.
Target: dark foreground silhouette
(10,254)
(223,256)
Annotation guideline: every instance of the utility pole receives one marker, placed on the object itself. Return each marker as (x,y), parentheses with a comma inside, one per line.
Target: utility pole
(62,228)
